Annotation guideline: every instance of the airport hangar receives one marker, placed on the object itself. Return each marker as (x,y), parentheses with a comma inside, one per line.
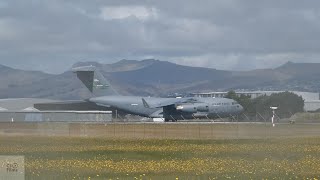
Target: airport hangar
(26,110)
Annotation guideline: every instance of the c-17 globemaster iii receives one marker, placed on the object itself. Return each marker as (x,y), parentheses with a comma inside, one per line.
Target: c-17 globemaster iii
(168,108)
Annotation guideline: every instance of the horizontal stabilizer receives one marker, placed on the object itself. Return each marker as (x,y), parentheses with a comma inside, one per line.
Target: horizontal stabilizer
(83,68)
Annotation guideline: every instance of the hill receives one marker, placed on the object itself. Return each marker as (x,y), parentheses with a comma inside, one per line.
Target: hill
(13,81)
(158,78)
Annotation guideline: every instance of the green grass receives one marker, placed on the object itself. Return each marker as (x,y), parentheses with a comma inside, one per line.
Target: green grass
(99,158)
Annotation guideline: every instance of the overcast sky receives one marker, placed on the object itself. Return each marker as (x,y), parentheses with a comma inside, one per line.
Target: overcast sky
(51,35)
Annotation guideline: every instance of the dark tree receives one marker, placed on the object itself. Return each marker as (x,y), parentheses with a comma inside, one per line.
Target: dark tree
(288,104)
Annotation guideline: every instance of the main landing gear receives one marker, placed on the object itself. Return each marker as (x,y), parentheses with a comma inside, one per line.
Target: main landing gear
(168,120)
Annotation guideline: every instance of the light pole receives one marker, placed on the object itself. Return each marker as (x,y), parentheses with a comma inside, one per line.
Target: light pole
(273,114)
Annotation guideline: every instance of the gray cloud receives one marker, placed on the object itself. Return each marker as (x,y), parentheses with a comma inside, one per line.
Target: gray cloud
(229,34)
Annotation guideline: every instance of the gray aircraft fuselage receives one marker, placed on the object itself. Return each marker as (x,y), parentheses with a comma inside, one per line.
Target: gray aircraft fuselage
(210,107)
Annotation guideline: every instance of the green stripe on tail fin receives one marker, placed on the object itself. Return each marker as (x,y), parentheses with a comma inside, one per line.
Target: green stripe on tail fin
(94,81)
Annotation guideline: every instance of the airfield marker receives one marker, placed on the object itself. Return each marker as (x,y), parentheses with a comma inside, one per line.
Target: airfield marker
(273,114)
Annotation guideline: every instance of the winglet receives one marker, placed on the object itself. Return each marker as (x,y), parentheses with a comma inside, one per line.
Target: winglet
(145,104)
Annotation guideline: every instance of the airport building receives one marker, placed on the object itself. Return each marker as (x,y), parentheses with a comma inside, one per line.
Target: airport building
(24,110)
(311,99)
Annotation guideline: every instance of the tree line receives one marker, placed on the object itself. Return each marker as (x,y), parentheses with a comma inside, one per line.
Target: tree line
(258,108)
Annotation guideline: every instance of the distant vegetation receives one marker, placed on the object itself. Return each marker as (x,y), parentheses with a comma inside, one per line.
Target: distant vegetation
(288,104)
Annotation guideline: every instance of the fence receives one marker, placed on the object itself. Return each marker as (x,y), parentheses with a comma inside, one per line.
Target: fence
(56,116)
(162,130)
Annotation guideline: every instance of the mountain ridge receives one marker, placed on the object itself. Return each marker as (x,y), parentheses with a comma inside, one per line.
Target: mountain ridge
(152,77)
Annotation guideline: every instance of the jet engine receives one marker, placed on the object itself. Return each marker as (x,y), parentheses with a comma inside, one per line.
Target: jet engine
(203,107)
(193,108)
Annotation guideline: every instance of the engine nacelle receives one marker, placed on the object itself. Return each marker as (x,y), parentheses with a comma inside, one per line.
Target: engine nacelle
(193,108)
(189,108)
(203,107)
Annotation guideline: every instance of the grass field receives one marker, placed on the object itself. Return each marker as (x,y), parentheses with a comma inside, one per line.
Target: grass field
(163,130)
(105,158)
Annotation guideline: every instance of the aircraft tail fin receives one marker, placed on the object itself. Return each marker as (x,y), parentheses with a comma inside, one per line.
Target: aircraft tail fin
(145,104)
(94,81)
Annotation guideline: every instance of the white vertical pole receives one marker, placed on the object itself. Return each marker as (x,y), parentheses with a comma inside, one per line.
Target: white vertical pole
(273,117)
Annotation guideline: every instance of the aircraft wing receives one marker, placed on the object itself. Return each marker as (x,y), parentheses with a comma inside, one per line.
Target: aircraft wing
(168,102)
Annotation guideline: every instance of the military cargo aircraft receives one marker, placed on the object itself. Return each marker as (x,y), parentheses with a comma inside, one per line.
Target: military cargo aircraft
(171,109)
